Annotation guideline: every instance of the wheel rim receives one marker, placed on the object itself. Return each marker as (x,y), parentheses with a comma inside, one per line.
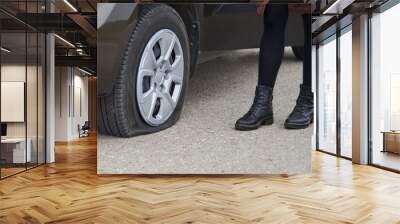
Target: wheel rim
(160,77)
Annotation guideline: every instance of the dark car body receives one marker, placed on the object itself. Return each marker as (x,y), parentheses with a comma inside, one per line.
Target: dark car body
(210,28)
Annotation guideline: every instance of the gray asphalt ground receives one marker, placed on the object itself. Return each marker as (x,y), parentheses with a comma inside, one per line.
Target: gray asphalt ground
(204,140)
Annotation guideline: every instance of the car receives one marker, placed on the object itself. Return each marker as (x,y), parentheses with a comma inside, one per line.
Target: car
(148,52)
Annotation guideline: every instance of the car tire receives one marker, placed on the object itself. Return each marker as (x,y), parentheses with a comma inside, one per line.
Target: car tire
(298,52)
(121,112)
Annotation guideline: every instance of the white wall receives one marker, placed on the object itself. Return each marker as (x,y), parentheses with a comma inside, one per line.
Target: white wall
(62,82)
(18,73)
(70,83)
(80,112)
(14,73)
(34,125)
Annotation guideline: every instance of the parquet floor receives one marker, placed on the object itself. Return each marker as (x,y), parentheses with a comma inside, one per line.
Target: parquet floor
(69,191)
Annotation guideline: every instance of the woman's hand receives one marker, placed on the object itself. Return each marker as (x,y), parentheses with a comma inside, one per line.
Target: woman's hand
(261,7)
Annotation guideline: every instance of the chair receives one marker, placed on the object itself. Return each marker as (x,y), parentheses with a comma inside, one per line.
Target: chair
(84,129)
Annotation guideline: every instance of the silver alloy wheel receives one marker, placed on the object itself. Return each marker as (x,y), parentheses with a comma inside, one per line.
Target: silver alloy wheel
(160,77)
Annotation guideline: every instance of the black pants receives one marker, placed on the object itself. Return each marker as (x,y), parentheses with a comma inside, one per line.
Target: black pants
(273,44)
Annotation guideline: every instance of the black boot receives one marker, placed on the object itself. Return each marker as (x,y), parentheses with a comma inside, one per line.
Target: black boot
(260,112)
(303,113)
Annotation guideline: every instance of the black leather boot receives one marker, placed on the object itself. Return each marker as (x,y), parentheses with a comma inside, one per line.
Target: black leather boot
(260,112)
(303,113)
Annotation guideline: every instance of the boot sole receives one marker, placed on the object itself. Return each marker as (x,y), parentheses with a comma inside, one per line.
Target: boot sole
(268,121)
(298,126)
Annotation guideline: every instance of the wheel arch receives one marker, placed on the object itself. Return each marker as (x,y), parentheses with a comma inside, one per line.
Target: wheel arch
(191,16)
(123,17)
(120,117)
(113,33)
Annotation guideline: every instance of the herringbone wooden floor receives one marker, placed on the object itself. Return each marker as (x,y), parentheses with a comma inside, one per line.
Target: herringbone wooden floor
(69,191)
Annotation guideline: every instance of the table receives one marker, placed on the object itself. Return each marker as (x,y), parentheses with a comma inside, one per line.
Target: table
(391,141)
(13,150)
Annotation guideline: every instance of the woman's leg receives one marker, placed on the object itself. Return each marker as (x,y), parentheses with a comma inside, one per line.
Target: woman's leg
(272,43)
(303,113)
(271,53)
(307,50)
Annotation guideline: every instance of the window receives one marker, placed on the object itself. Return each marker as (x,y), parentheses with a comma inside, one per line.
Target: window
(335,94)
(327,96)
(385,89)
(346,75)
(22,77)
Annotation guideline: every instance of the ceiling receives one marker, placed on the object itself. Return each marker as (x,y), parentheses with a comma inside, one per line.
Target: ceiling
(74,22)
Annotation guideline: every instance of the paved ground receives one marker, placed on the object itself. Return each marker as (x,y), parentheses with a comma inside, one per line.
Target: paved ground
(204,140)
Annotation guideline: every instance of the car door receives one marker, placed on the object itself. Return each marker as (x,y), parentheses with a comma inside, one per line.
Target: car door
(231,26)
